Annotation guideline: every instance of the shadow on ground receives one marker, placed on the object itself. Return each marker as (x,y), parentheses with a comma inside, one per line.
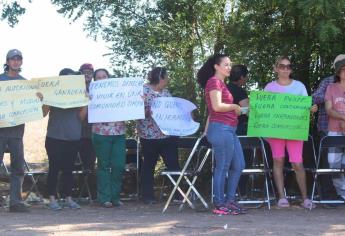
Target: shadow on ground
(137,219)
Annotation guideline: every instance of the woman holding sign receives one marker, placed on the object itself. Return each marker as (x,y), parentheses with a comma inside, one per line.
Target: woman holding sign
(154,143)
(110,145)
(221,133)
(284,84)
(62,145)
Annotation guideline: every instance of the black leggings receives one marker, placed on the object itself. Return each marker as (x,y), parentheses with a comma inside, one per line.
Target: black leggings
(62,155)
(152,149)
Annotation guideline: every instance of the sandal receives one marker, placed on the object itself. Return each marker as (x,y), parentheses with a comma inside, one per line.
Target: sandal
(107,204)
(283,203)
(308,204)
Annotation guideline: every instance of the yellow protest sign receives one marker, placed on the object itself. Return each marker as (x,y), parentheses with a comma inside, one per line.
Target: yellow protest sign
(63,91)
(19,103)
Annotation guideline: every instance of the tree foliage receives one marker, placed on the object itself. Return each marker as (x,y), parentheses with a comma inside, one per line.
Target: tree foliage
(11,11)
(181,34)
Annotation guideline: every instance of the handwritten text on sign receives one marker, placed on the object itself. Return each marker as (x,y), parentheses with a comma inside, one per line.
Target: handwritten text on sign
(63,91)
(117,99)
(173,116)
(19,103)
(279,115)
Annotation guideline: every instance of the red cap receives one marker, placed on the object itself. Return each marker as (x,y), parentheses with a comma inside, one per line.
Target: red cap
(86,66)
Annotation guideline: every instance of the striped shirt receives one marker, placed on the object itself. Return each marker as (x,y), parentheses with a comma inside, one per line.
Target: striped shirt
(228,118)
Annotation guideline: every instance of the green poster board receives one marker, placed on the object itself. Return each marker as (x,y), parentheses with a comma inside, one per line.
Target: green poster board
(278,115)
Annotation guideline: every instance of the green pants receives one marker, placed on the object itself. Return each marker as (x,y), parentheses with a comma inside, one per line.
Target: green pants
(111,157)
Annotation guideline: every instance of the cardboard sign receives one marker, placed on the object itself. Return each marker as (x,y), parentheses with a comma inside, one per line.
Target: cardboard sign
(277,115)
(173,116)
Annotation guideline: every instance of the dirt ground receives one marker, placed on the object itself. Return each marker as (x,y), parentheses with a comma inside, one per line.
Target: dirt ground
(136,219)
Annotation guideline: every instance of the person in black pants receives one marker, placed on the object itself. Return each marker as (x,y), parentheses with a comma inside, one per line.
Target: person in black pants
(154,143)
(152,149)
(237,80)
(62,145)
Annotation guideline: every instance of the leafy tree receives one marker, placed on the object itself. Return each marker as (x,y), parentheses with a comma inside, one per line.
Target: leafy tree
(308,31)
(181,34)
(11,11)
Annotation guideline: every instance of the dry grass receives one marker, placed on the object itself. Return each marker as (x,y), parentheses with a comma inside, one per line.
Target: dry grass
(34,138)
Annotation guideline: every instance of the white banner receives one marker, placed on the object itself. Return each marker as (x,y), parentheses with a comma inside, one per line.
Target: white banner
(116,99)
(173,116)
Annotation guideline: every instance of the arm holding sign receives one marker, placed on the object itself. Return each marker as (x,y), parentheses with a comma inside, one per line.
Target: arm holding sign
(313,108)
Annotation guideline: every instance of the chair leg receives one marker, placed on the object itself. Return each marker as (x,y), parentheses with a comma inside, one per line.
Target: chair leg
(87,187)
(176,187)
(190,189)
(267,194)
(161,193)
(33,187)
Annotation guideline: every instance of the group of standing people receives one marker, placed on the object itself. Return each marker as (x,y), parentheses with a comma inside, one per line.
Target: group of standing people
(224,104)
(109,144)
(331,121)
(69,135)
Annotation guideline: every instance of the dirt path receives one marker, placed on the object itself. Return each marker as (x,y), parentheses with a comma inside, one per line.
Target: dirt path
(137,219)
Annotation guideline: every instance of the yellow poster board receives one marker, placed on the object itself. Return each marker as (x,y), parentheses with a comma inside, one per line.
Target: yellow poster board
(19,103)
(63,91)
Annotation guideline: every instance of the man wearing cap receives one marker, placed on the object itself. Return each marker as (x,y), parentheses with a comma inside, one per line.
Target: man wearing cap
(87,152)
(322,126)
(335,108)
(11,138)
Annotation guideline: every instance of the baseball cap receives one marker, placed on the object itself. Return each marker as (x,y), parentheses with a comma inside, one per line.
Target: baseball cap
(339,61)
(13,53)
(340,57)
(86,66)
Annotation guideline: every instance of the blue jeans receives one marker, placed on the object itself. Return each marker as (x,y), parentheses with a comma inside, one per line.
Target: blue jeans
(229,160)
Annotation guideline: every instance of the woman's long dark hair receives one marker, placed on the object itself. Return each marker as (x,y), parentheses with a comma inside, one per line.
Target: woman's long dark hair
(207,70)
(156,74)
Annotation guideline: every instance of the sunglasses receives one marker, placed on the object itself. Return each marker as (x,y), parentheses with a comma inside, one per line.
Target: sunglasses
(285,67)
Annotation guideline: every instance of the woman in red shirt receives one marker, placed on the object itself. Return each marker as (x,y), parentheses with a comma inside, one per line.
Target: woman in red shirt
(221,132)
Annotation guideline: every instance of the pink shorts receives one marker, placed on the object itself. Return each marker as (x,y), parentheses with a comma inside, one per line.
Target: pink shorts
(294,148)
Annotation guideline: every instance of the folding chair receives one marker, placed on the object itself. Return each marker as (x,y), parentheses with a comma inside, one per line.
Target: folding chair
(4,194)
(82,176)
(132,145)
(190,176)
(327,142)
(253,144)
(33,175)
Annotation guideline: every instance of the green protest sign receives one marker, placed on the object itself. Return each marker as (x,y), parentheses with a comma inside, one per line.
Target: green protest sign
(278,115)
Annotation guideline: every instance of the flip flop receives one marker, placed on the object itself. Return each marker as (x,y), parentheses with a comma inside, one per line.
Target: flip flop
(308,204)
(283,203)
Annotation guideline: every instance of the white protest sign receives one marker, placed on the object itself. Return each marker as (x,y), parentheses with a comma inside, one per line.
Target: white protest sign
(173,116)
(116,99)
